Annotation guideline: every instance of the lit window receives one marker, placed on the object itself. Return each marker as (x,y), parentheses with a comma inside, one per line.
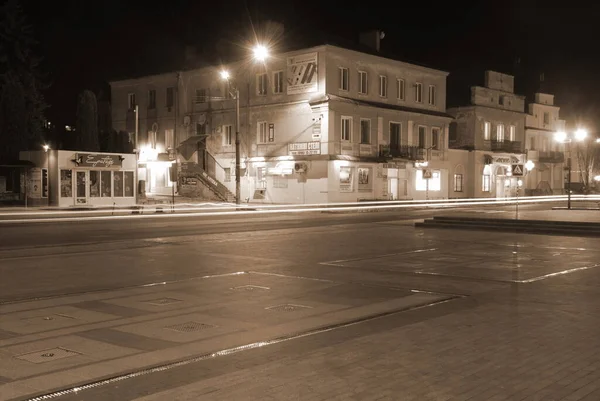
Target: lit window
(227,135)
(486,183)
(487,128)
(432,184)
(500,133)
(458,182)
(512,133)
(344,79)
(363,82)
(382,86)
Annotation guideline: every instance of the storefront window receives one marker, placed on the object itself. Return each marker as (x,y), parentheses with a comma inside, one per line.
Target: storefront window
(118,183)
(94,184)
(81,184)
(365,179)
(66,183)
(106,184)
(128,183)
(345,179)
(434,184)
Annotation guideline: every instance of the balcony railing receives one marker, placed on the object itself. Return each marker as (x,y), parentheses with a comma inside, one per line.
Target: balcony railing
(506,146)
(402,152)
(551,157)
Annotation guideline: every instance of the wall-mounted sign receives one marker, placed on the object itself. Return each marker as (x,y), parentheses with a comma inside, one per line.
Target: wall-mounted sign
(304,148)
(95,160)
(302,73)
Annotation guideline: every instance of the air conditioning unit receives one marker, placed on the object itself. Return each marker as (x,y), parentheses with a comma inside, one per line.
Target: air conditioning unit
(300,167)
(187,120)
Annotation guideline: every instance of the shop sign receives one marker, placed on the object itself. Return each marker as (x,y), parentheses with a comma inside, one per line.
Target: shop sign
(96,160)
(304,148)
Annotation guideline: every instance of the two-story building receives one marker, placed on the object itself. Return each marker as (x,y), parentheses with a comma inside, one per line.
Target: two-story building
(320,124)
(492,130)
(541,124)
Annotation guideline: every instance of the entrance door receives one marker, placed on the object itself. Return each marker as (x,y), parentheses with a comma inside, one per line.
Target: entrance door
(500,183)
(81,187)
(395,132)
(394,188)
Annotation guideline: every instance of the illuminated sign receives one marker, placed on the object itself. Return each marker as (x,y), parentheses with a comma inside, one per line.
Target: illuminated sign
(304,148)
(96,160)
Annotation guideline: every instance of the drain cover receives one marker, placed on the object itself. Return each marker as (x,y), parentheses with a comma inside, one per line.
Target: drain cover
(288,307)
(47,355)
(163,301)
(190,327)
(250,288)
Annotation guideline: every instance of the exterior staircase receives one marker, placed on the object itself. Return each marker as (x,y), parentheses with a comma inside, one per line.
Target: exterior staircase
(192,174)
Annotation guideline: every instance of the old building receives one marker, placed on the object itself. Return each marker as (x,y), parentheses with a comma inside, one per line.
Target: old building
(492,130)
(320,124)
(541,124)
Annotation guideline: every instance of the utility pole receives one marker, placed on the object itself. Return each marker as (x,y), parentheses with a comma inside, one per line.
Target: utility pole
(137,154)
(237,148)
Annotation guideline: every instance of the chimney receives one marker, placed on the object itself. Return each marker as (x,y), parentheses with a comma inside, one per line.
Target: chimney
(372,39)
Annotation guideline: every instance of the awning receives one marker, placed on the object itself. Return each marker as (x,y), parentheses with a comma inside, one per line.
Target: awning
(188,147)
(541,166)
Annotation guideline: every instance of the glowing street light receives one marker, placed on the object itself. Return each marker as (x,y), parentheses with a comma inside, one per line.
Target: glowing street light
(46,148)
(560,136)
(529,165)
(580,134)
(260,52)
(225,75)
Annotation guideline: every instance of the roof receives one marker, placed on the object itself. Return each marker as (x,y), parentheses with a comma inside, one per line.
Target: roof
(370,103)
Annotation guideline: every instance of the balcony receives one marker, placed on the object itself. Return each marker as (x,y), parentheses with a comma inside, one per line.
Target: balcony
(402,152)
(551,157)
(506,146)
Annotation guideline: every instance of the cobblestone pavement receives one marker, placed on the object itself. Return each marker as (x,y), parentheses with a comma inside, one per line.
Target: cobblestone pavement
(369,311)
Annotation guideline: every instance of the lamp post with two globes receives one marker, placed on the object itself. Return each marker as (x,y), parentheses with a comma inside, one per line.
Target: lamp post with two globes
(260,53)
(568,138)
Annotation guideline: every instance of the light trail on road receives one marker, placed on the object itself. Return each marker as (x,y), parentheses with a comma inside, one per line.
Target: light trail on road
(287,209)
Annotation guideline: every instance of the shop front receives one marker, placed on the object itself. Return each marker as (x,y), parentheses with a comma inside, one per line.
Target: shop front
(85,178)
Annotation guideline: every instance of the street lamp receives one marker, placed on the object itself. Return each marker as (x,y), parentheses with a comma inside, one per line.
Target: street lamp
(564,137)
(46,149)
(260,52)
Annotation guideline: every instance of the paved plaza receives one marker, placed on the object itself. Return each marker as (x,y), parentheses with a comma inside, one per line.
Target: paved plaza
(346,310)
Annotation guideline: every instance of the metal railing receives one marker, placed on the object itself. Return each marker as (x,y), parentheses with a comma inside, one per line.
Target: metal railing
(402,152)
(506,146)
(551,157)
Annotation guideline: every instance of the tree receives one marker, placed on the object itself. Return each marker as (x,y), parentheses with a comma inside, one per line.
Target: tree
(587,156)
(87,122)
(21,82)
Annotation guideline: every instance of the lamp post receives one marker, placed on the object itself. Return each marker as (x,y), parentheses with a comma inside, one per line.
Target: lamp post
(260,53)
(46,149)
(568,138)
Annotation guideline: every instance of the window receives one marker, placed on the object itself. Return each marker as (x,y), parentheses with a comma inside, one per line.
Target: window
(227,171)
(365,181)
(170,98)
(400,89)
(66,183)
(435,139)
(546,118)
(262,132)
(432,184)
(227,135)
(261,84)
(169,139)
(363,82)
(128,183)
(486,183)
(532,146)
(458,182)
(200,95)
(131,101)
(453,131)
(118,184)
(346,129)
(432,94)
(512,133)
(500,133)
(200,129)
(278,82)
(152,99)
(419,92)
(382,86)
(94,184)
(487,128)
(422,139)
(105,184)
(344,79)
(501,100)
(365,131)
(395,135)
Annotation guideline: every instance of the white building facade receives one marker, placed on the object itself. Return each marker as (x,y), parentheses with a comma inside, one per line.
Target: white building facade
(317,125)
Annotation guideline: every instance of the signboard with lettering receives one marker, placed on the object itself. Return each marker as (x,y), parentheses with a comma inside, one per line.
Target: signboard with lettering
(98,160)
(302,73)
(304,148)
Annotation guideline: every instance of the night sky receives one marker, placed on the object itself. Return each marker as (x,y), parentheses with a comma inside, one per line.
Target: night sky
(86,43)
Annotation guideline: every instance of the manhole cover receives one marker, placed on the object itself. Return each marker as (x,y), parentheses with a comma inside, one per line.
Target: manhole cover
(250,288)
(47,355)
(190,327)
(288,307)
(163,301)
